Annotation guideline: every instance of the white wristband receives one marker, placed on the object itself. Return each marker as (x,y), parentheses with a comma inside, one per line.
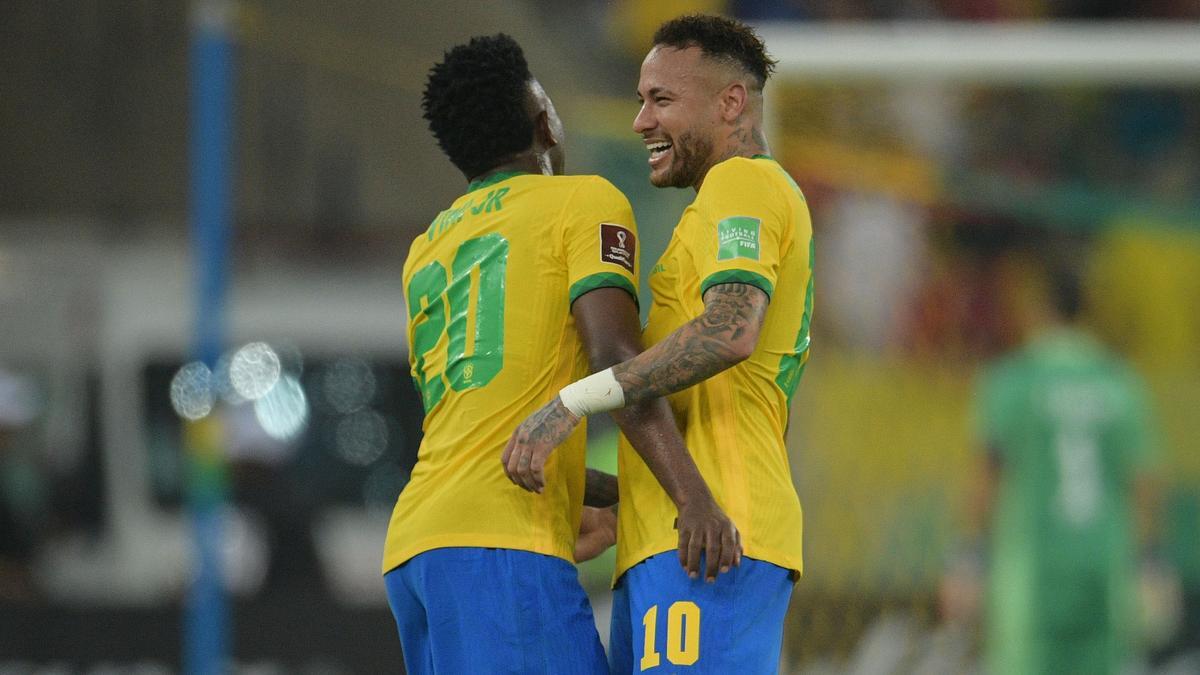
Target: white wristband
(598,392)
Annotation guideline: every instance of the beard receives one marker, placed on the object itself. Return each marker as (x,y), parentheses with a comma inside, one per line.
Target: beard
(691,154)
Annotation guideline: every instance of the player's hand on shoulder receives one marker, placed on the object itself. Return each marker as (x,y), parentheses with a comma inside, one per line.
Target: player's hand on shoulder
(704,528)
(525,456)
(597,532)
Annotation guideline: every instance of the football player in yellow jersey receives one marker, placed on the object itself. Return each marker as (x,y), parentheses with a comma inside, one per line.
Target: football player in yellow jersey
(729,336)
(516,289)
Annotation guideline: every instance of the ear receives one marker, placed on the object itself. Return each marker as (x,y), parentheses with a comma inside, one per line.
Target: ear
(543,134)
(733,101)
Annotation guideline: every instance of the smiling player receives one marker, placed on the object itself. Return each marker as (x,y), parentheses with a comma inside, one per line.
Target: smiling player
(729,331)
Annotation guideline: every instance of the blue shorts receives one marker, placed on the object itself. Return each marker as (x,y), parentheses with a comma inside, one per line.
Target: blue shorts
(663,621)
(489,610)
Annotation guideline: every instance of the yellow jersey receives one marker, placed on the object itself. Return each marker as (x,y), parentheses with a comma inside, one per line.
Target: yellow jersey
(491,338)
(748,224)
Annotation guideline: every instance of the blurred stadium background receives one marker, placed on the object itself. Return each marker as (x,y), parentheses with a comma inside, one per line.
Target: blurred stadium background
(934,167)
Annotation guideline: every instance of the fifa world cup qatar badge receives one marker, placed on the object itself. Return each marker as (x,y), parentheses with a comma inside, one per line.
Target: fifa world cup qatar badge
(617,245)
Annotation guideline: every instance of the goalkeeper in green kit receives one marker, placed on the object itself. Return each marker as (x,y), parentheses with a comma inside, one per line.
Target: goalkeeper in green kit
(1065,427)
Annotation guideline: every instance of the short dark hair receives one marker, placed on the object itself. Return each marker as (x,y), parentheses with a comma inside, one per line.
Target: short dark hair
(475,101)
(720,38)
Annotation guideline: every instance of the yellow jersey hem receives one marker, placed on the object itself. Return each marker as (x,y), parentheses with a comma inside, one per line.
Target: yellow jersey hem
(394,559)
(792,562)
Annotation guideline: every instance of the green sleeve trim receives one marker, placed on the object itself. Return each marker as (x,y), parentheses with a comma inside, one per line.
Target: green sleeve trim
(602,280)
(737,277)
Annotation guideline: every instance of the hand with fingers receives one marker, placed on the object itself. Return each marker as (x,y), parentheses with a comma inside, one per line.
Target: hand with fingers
(597,532)
(704,528)
(525,456)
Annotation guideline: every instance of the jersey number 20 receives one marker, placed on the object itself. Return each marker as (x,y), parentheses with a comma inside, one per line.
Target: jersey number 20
(473,292)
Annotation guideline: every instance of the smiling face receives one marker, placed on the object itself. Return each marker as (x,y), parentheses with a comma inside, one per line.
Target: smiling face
(680,120)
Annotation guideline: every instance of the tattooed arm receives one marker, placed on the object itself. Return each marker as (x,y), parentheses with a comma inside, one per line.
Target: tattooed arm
(720,338)
(608,324)
(724,335)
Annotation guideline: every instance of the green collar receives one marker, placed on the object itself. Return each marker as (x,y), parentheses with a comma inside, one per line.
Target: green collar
(493,179)
(762,157)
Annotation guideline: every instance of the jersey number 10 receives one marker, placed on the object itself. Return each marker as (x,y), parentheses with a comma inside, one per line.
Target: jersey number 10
(473,293)
(683,635)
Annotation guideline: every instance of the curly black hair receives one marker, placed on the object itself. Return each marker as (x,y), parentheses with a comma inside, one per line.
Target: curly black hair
(720,38)
(475,103)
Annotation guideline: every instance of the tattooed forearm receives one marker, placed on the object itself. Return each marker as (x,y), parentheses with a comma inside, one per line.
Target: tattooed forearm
(550,424)
(524,458)
(600,489)
(716,340)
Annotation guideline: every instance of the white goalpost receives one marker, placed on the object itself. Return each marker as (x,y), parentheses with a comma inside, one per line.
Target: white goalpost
(1096,53)
(1099,52)
(975,54)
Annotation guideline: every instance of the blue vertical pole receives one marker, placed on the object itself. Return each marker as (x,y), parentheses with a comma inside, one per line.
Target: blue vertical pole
(206,613)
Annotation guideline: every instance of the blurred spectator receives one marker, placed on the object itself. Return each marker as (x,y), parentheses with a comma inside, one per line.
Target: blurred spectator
(1064,481)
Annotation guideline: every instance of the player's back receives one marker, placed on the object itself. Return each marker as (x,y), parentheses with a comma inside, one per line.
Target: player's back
(1067,419)
(489,288)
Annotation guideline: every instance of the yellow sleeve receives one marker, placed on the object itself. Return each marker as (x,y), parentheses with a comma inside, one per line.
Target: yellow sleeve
(742,230)
(600,239)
